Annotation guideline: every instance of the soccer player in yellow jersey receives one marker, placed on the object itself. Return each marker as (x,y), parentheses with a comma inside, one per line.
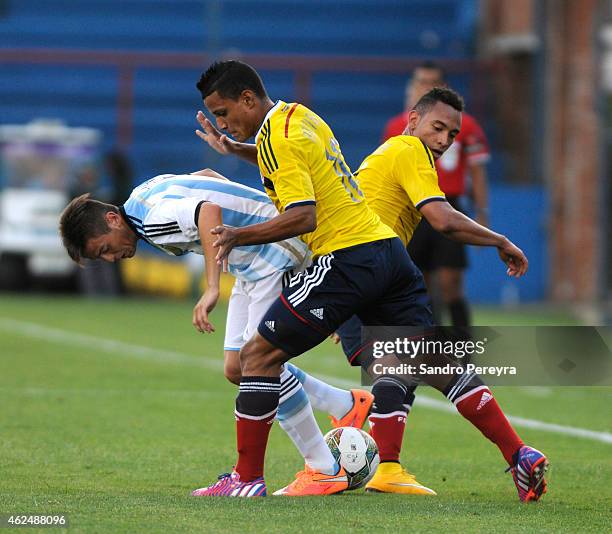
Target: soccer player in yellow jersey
(400,183)
(360,267)
(398,180)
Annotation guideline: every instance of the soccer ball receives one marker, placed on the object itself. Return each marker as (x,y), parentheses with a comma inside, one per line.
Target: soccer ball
(356,451)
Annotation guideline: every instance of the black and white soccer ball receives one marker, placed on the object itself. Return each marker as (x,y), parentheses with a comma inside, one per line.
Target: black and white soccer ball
(356,451)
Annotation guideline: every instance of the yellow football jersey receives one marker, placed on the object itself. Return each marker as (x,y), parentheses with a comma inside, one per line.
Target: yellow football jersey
(301,163)
(397,179)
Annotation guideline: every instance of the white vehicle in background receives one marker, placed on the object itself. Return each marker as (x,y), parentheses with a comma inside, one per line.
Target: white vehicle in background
(41,164)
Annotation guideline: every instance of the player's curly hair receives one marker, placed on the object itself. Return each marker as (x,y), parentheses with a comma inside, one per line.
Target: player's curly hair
(82,220)
(439,94)
(229,79)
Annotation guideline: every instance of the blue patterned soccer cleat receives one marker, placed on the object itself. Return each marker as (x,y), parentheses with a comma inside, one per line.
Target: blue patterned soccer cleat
(230,485)
(528,474)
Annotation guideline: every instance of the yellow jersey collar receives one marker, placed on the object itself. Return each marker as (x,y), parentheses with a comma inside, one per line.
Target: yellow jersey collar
(273,109)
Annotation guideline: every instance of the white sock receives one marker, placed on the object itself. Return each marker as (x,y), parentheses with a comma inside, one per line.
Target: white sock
(295,417)
(329,399)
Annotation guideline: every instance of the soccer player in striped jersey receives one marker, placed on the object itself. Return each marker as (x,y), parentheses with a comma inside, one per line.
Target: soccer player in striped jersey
(359,267)
(175,214)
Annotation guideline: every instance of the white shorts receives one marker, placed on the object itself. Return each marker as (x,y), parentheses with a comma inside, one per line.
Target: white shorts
(248,303)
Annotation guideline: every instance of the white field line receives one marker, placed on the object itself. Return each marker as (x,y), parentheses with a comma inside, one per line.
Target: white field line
(98,392)
(110,346)
(445,406)
(120,348)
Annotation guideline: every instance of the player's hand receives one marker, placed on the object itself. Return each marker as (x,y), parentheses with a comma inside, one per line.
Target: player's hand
(205,305)
(227,239)
(335,338)
(216,140)
(514,258)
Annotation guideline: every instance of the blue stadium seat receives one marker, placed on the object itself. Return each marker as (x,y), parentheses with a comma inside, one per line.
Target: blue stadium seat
(165,100)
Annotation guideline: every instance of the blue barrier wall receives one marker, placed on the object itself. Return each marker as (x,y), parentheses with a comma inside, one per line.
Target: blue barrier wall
(520,213)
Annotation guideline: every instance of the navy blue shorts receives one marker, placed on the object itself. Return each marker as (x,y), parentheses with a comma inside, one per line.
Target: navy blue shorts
(376,281)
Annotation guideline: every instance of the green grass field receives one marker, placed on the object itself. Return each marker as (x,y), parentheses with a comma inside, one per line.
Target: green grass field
(114,410)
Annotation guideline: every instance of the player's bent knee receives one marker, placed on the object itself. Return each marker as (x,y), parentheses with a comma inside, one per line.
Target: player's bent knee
(231,366)
(259,356)
(233,374)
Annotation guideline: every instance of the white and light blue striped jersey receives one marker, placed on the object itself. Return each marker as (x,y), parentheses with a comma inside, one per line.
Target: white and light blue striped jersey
(163,211)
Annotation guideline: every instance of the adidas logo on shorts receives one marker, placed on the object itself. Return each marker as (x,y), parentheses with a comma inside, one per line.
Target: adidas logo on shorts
(486,397)
(318,313)
(270,325)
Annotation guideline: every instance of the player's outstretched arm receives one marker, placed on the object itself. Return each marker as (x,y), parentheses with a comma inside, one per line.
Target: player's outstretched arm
(222,144)
(291,223)
(208,218)
(458,227)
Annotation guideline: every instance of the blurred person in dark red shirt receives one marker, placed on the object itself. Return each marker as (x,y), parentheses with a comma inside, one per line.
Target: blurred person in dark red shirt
(433,253)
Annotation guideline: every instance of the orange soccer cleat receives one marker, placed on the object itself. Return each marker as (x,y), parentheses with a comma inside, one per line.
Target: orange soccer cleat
(357,415)
(311,482)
